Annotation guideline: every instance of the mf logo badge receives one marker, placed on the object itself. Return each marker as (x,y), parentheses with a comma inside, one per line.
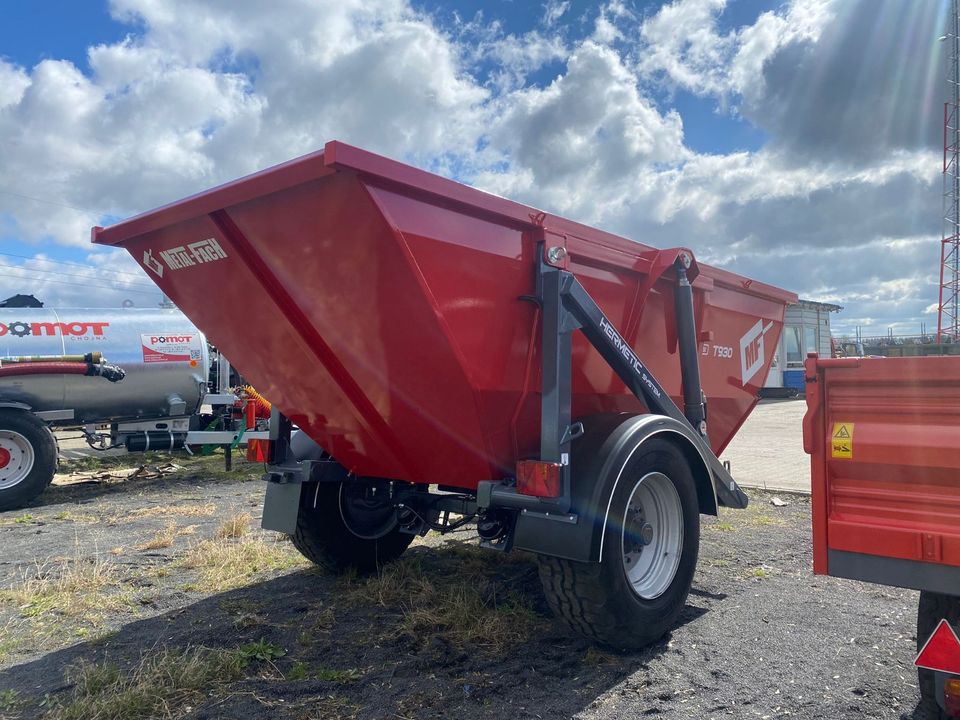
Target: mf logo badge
(151,263)
(752,351)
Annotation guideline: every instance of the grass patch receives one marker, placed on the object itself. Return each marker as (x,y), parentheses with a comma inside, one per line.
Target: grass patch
(9,700)
(759,573)
(163,538)
(234,526)
(717,562)
(162,684)
(261,650)
(227,564)
(595,656)
(333,707)
(720,527)
(10,642)
(339,676)
(186,510)
(465,605)
(69,588)
(53,603)
(298,671)
(23,519)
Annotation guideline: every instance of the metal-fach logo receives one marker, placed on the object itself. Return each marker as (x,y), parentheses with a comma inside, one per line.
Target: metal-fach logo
(183,256)
(151,263)
(752,352)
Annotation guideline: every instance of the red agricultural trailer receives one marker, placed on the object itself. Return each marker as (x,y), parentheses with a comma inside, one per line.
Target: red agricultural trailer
(423,337)
(883,436)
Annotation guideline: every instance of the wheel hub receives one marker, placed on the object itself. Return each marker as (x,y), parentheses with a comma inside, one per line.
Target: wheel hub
(16,458)
(652,535)
(367,508)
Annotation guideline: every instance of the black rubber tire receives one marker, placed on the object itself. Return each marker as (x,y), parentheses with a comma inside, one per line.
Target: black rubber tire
(323,537)
(595,599)
(36,432)
(932,608)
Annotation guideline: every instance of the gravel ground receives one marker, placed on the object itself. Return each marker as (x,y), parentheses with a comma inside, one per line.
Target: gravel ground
(760,637)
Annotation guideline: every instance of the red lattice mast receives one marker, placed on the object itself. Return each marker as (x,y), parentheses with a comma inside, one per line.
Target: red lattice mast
(948,320)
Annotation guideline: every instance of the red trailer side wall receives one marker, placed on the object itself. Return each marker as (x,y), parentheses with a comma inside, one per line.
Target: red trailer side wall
(884,439)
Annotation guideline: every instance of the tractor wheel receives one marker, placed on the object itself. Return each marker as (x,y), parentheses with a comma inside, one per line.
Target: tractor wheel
(632,597)
(933,608)
(28,458)
(348,524)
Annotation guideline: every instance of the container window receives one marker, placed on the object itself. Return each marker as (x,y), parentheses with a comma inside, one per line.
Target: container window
(792,346)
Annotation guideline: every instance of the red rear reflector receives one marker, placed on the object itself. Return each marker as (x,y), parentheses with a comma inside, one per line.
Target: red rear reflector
(951,697)
(259,451)
(540,479)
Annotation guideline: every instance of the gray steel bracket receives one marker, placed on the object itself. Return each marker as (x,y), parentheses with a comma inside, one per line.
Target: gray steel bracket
(566,306)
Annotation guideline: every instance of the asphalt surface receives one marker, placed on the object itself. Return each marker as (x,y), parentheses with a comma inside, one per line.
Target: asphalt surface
(767,452)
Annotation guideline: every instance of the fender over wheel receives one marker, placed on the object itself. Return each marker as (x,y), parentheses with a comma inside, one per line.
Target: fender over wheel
(633,596)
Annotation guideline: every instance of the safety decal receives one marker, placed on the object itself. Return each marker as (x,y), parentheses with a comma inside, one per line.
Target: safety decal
(843,440)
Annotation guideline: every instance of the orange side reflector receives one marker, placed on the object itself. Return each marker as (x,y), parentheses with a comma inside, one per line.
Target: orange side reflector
(259,451)
(540,479)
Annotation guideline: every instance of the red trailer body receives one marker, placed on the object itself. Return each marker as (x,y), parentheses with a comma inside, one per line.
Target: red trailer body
(378,307)
(883,436)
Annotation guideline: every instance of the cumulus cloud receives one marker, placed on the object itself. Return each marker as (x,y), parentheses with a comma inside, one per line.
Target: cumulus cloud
(202,92)
(591,127)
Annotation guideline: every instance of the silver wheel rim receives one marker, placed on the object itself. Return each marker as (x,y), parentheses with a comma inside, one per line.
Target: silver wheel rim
(652,538)
(17,451)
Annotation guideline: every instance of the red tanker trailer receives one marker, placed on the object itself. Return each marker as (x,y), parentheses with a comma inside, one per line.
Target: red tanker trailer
(446,352)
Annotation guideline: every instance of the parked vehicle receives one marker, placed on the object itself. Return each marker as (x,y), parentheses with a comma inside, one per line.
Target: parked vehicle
(882,434)
(142,373)
(423,333)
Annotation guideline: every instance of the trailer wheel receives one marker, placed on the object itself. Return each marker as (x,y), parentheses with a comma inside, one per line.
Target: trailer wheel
(933,608)
(342,526)
(28,458)
(632,597)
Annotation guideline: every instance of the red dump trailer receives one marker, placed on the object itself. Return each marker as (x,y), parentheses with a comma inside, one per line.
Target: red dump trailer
(883,436)
(450,355)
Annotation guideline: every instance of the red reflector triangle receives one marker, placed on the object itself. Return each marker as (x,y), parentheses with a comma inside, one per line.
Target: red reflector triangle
(942,651)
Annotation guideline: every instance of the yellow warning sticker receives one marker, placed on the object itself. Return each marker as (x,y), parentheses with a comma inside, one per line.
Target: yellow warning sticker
(843,440)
